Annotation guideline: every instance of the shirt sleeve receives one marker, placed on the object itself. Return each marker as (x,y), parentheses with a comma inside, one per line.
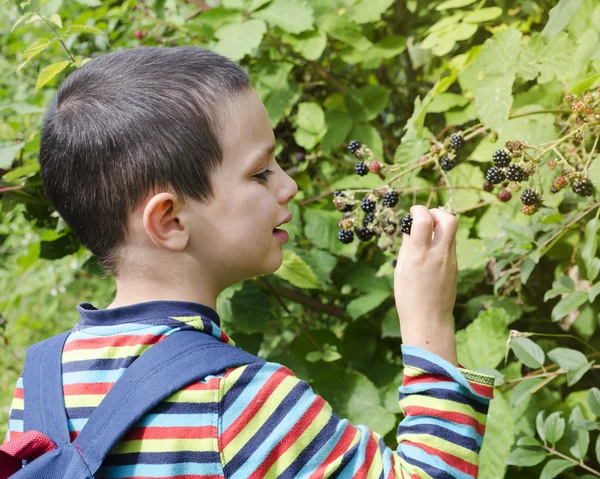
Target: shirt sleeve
(15,416)
(272,424)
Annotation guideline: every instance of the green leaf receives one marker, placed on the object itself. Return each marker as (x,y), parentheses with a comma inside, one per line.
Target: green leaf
(390,326)
(322,230)
(483,15)
(594,291)
(250,309)
(575,375)
(34,50)
(568,359)
(80,28)
(526,457)
(546,61)
(48,73)
(366,11)
(310,123)
(560,16)
(597,449)
(554,427)
(345,30)
(586,84)
(454,4)
(589,245)
(579,438)
(528,352)
(593,399)
(498,439)
(292,16)
(527,268)
(339,124)
(446,101)
(296,271)
(363,304)
(539,424)
(239,39)
(524,389)
(366,103)
(309,44)
(55,18)
(368,135)
(482,343)
(554,467)
(568,304)
(8,154)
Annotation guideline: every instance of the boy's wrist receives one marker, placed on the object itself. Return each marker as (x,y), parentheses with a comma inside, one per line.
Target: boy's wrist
(436,337)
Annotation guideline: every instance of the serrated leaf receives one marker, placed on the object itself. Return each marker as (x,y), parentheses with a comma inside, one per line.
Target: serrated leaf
(454,4)
(239,39)
(292,16)
(48,73)
(309,44)
(339,124)
(483,15)
(560,16)
(528,352)
(295,271)
(593,399)
(554,427)
(554,467)
(310,123)
(345,30)
(498,440)
(586,84)
(366,11)
(545,62)
(569,304)
(366,103)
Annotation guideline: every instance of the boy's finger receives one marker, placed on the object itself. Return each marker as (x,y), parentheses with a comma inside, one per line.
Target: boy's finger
(422,227)
(445,227)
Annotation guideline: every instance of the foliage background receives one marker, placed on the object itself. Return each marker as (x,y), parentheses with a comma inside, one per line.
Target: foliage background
(391,75)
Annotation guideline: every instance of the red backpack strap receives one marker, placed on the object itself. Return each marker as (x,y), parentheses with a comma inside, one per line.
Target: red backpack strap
(27,446)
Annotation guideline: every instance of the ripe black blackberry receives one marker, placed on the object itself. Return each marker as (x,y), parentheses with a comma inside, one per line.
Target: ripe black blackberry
(457,141)
(354,146)
(406,224)
(394,262)
(495,176)
(446,163)
(338,193)
(364,234)
(361,169)
(515,173)
(390,199)
(369,218)
(367,205)
(501,158)
(346,236)
(529,197)
(584,188)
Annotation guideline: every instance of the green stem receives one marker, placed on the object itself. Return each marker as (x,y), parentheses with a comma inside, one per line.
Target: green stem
(57,35)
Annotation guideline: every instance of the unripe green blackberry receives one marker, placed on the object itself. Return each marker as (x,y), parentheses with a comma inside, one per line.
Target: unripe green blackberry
(361,169)
(367,205)
(495,175)
(364,234)
(369,218)
(504,195)
(406,224)
(354,146)
(487,186)
(346,236)
(446,164)
(457,141)
(390,199)
(501,158)
(529,197)
(515,173)
(584,188)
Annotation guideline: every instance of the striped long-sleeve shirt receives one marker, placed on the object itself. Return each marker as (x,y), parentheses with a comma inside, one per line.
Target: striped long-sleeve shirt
(260,420)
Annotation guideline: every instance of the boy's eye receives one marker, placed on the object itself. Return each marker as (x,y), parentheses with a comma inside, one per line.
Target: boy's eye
(264,175)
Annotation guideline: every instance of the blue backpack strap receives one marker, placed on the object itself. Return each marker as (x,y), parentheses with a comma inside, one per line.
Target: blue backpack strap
(44,406)
(165,368)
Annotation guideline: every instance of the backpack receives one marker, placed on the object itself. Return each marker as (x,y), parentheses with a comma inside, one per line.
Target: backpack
(176,361)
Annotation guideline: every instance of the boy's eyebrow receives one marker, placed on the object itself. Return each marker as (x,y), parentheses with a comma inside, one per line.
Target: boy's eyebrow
(266,151)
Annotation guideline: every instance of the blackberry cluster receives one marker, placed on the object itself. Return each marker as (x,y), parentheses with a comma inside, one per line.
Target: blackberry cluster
(406,224)
(457,141)
(390,199)
(354,146)
(446,163)
(361,169)
(501,158)
(364,234)
(584,188)
(495,175)
(367,205)
(369,218)
(515,173)
(529,197)
(346,236)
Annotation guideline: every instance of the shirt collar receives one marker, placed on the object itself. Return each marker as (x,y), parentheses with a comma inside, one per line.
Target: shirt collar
(92,316)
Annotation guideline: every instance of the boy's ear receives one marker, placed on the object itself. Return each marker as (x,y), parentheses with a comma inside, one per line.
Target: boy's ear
(162,223)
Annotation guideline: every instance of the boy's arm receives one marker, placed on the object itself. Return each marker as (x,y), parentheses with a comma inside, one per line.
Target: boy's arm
(15,417)
(272,424)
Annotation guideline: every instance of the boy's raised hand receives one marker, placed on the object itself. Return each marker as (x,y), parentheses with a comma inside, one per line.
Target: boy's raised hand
(425,282)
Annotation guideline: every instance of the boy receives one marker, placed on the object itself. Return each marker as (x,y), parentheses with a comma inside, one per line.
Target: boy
(161,161)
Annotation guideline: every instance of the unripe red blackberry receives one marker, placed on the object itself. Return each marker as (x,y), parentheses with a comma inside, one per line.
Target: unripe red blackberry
(367,205)
(406,224)
(487,186)
(446,163)
(361,169)
(354,146)
(501,158)
(515,173)
(457,141)
(364,234)
(139,34)
(584,188)
(346,236)
(374,167)
(504,195)
(495,175)
(560,183)
(390,199)
(529,197)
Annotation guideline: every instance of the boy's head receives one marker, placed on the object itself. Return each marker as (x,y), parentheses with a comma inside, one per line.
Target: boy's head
(151,156)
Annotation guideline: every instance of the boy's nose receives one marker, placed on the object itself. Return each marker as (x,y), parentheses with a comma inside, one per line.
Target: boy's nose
(289,189)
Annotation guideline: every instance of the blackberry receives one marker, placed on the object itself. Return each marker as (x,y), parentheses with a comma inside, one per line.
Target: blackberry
(390,199)
(394,262)
(515,173)
(495,175)
(446,164)
(346,236)
(504,195)
(361,169)
(354,146)
(338,193)
(457,141)
(364,234)
(553,189)
(560,183)
(300,156)
(584,188)
(529,197)
(367,205)
(406,224)
(529,209)
(369,218)
(501,158)
(487,186)
(374,167)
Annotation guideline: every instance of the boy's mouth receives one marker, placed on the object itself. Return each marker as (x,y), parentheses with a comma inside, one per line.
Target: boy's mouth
(281,234)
